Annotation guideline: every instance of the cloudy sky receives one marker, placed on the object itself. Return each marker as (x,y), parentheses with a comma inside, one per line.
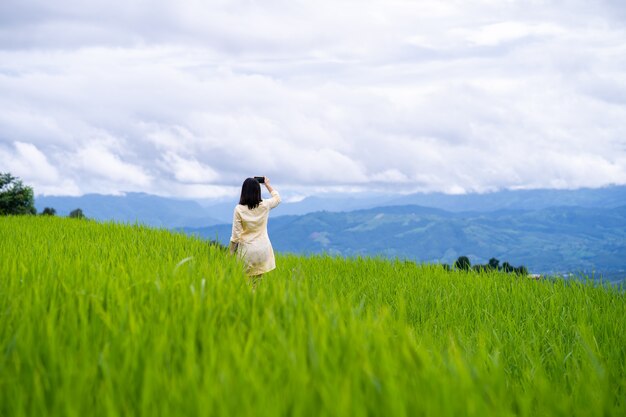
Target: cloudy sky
(187,98)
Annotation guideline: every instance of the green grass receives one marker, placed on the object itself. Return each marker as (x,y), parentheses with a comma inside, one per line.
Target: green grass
(104,319)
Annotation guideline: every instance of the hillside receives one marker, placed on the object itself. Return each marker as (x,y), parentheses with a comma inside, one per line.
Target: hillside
(127,320)
(551,240)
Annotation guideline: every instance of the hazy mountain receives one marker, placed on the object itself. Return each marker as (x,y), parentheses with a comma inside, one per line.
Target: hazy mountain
(168,212)
(132,207)
(326,202)
(556,239)
(587,232)
(607,197)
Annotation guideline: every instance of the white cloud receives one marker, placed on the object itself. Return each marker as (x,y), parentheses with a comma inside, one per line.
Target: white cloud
(390,175)
(29,164)
(295,198)
(190,98)
(100,162)
(501,32)
(188,170)
(30,159)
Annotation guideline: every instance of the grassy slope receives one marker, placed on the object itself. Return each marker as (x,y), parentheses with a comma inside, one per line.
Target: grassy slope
(97,319)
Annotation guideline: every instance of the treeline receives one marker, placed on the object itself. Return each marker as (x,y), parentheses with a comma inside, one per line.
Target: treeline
(463,264)
(74,214)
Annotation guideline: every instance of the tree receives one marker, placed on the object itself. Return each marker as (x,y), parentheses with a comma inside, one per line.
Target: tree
(521,270)
(49,211)
(77,214)
(463,263)
(494,264)
(15,197)
(507,267)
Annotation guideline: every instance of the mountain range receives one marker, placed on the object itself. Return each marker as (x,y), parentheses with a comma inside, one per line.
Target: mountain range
(545,230)
(132,207)
(170,212)
(607,197)
(550,240)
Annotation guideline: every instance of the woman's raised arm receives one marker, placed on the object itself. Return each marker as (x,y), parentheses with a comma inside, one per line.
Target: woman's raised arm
(275,200)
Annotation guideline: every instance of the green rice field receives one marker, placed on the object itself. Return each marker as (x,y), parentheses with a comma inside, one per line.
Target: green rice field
(103,319)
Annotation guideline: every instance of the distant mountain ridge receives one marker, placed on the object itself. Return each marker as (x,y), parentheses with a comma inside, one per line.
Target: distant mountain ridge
(174,213)
(548,240)
(132,207)
(545,230)
(606,197)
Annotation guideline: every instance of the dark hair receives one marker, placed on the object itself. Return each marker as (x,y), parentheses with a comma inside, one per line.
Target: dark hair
(250,193)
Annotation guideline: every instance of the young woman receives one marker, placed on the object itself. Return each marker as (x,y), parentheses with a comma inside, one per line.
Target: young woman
(249,238)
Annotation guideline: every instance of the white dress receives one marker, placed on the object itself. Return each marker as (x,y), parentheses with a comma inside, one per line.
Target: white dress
(250,234)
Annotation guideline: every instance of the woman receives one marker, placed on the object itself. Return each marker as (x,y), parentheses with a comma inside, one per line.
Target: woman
(249,238)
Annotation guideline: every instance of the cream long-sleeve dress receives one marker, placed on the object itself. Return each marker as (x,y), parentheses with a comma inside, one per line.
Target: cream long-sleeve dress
(250,234)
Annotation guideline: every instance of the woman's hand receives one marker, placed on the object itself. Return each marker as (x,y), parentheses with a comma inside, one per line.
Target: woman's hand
(268,185)
(233,247)
(266,181)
